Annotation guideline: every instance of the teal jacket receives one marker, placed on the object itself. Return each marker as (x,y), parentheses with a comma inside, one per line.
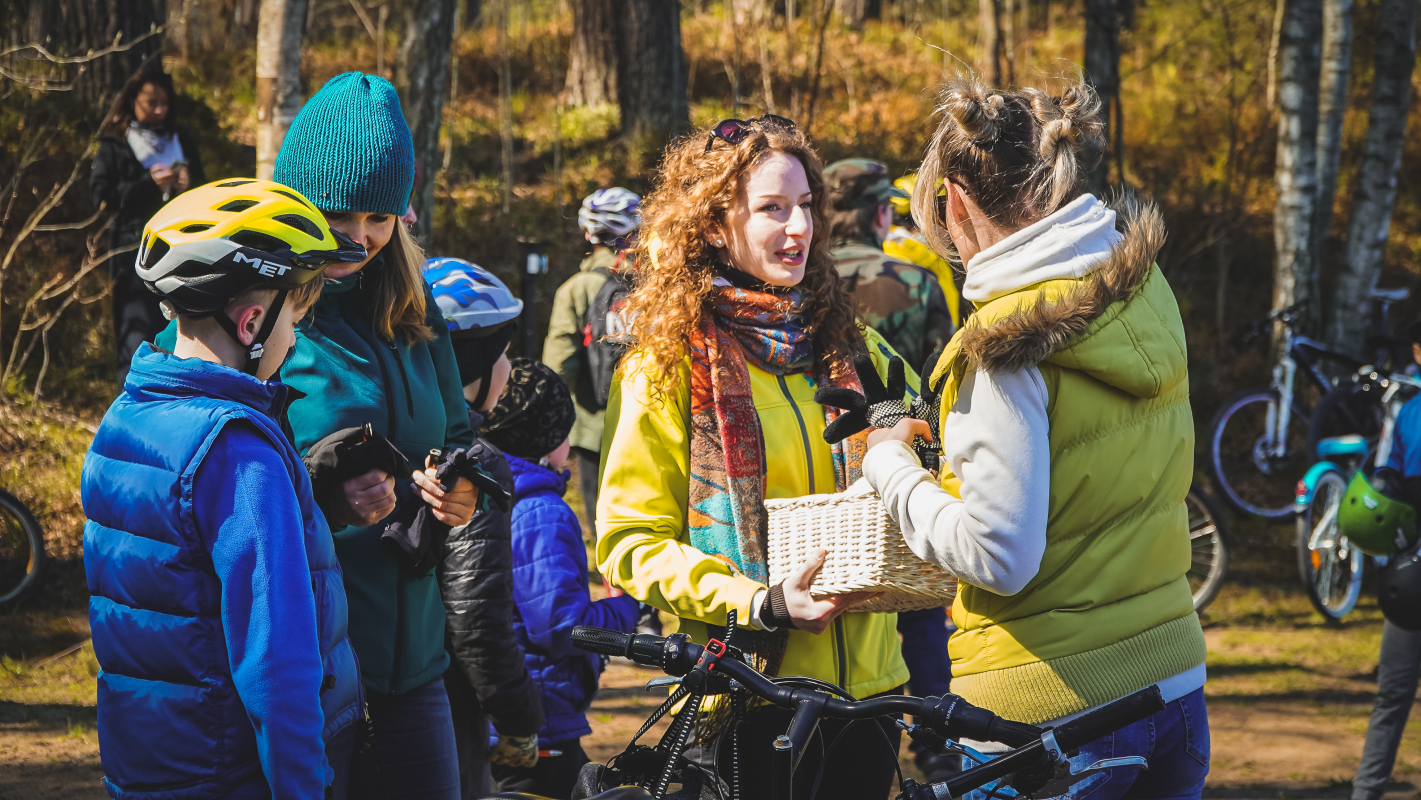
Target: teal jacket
(411,394)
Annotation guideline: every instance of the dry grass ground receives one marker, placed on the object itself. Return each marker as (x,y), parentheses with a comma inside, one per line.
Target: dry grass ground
(1288,696)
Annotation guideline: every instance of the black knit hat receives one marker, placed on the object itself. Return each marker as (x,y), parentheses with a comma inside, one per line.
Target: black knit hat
(535,413)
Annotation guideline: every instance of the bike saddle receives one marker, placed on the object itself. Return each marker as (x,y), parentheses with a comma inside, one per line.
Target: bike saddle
(1349,445)
(615,793)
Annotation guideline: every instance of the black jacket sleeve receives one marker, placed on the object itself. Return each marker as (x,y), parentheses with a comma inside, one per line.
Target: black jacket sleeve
(196,175)
(476,580)
(113,178)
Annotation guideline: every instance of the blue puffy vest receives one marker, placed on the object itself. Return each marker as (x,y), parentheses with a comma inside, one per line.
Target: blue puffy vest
(171,725)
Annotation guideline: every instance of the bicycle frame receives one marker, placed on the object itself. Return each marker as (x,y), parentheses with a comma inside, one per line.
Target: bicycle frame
(1307,352)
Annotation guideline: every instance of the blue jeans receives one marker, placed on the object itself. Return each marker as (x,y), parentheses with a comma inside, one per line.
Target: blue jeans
(1176,744)
(412,754)
(925,635)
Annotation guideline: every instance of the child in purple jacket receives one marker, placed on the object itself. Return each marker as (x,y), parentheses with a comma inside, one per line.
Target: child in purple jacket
(530,425)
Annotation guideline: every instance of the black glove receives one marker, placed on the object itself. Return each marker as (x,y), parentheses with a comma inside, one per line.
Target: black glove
(415,537)
(927,406)
(878,407)
(348,453)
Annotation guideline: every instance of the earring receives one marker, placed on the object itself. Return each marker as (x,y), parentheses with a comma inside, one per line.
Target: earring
(719,243)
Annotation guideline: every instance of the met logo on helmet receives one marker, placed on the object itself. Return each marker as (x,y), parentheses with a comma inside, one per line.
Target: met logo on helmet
(271,269)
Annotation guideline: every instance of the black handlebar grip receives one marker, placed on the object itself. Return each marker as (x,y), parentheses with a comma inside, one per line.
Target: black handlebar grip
(601,641)
(1012,734)
(1110,718)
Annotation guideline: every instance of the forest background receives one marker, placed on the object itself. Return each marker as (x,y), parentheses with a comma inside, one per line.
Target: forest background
(520,108)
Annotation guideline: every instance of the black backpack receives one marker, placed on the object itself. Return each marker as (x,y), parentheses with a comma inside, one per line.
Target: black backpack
(605,332)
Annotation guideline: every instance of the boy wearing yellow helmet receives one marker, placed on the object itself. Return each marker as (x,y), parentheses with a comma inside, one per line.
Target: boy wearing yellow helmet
(217,606)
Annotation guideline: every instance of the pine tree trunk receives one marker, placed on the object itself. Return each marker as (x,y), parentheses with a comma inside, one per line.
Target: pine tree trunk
(991,41)
(422,79)
(1295,173)
(651,74)
(592,68)
(855,12)
(1376,180)
(1102,70)
(279,28)
(1332,105)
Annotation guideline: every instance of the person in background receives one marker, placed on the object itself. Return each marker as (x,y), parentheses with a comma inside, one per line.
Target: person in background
(218,613)
(1399,665)
(906,243)
(903,302)
(530,425)
(144,161)
(609,219)
(486,680)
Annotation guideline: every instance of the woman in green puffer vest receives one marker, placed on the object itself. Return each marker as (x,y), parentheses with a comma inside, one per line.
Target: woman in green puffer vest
(1067,436)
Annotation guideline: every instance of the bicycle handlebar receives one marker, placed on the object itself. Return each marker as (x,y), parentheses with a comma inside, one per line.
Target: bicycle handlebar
(949,716)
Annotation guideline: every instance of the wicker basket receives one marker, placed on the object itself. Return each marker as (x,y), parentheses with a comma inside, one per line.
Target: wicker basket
(866,550)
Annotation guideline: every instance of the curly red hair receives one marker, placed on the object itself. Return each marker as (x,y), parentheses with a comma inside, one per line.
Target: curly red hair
(676,265)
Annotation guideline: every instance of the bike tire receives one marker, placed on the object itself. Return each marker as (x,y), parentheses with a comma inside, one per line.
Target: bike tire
(22,555)
(1332,572)
(1249,483)
(1210,544)
(1347,409)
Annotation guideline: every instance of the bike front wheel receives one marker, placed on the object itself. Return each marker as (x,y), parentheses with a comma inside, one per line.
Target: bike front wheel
(1209,544)
(22,555)
(1331,568)
(1247,469)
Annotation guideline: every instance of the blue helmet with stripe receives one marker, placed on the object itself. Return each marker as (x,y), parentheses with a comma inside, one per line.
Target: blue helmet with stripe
(470,297)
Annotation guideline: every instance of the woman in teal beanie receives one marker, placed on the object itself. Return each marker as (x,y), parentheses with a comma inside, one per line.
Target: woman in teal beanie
(377,350)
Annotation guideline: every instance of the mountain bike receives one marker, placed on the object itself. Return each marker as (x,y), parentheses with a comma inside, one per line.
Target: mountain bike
(1210,543)
(22,556)
(1330,567)
(1258,440)
(1036,767)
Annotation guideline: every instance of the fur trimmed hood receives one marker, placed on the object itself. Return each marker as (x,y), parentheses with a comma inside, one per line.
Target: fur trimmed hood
(1056,326)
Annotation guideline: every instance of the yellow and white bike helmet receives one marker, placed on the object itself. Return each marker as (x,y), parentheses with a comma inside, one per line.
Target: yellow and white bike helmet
(217,241)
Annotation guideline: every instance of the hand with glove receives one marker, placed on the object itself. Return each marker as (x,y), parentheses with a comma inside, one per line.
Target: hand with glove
(353,475)
(879,406)
(515,751)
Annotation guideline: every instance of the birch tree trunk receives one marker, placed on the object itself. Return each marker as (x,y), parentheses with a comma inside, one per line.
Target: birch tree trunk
(989,29)
(278,77)
(1332,105)
(1376,180)
(422,79)
(1102,71)
(1295,172)
(651,75)
(592,68)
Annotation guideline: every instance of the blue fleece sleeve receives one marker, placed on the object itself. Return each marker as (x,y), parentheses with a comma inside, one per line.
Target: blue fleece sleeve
(1406,440)
(248,517)
(550,582)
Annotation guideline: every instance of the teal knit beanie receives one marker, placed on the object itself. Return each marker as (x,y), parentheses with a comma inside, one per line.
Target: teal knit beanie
(349,149)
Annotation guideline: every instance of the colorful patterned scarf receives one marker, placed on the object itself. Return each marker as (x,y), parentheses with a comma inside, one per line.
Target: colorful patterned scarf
(727,517)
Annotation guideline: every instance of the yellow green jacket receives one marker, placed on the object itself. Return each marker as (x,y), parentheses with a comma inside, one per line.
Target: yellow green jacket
(904,245)
(1109,611)
(643,546)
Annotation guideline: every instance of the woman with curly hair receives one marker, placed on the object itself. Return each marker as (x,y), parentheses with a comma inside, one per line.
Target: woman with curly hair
(737,316)
(1067,435)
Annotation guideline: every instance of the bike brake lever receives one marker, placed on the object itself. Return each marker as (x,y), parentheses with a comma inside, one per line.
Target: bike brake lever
(1063,778)
(667,680)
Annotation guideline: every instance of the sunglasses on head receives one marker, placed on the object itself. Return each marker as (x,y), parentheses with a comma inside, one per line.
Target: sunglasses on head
(735,131)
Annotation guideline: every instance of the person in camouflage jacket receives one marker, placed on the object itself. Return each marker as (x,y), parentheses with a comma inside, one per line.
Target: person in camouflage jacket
(901,301)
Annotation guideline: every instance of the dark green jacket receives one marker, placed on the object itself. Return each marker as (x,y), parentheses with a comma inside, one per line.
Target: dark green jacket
(411,395)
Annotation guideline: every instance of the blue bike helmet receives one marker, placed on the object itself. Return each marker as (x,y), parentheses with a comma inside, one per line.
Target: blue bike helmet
(480,312)
(471,298)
